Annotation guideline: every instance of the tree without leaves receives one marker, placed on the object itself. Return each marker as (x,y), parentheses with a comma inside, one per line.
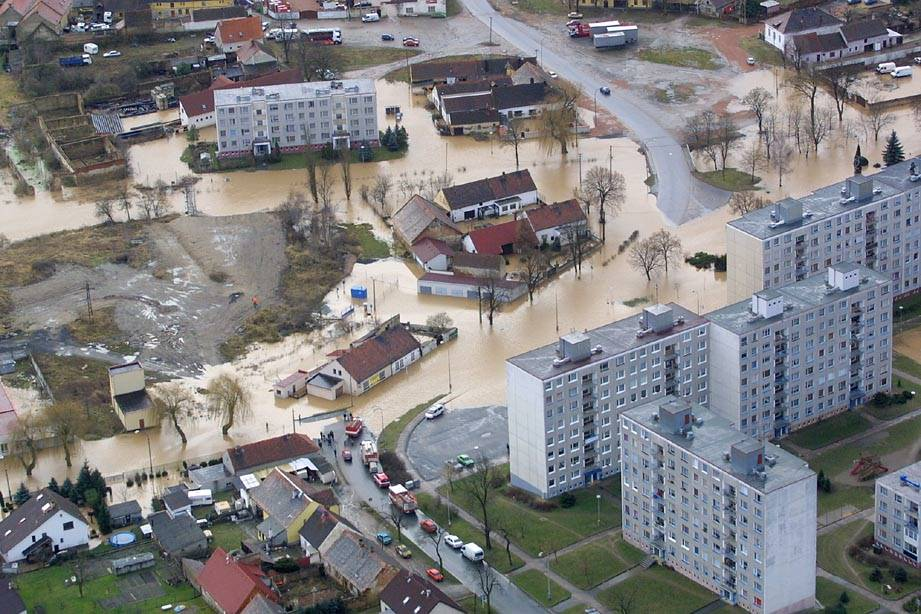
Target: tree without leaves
(228,401)
(291,211)
(310,163)
(559,118)
(65,420)
(25,437)
(752,157)
(607,190)
(488,580)
(741,203)
(727,138)
(645,256)
(314,60)
(821,126)
(877,118)
(491,295)
(105,211)
(397,517)
(514,137)
(480,487)
(507,536)
(124,203)
(771,125)
(174,402)
(701,133)
(345,165)
(758,101)
(837,81)
(380,189)
(534,263)
(437,538)
(435,184)
(439,322)
(783,155)
(625,600)
(806,83)
(576,237)
(669,246)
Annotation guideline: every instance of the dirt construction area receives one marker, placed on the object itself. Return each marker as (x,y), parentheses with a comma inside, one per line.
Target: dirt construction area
(198,287)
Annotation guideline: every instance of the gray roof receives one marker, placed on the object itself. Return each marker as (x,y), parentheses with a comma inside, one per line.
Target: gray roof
(825,202)
(175,534)
(128,508)
(208,474)
(798,297)
(134,559)
(715,437)
(893,480)
(270,527)
(413,218)
(320,462)
(261,605)
(318,527)
(614,338)
(133,401)
(282,497)
(33,514)
(865,28)
(802,20)
(176,499)
(358,559)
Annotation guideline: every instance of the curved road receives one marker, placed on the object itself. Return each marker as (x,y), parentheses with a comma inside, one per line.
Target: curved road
(681,197)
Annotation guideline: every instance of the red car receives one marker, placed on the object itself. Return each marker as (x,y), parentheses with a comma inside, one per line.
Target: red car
(428,525)
(381,480)
(346,455)
(410,42)
(434,574)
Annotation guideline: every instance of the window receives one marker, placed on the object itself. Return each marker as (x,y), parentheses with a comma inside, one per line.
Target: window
(68,525)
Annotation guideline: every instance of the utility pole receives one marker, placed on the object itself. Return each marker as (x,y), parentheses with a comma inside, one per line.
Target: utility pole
(449,370)
(580,169)
(556,307)
(610,158)
(89,301)
(479,302)
(374,298)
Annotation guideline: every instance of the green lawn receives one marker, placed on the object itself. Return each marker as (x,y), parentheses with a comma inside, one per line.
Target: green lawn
(534,583)
(761,51)
(227,535)
(372,248)
(295,161)
(686,57)
(732,180)
(579,608)
(592,564)
(828,593)
(907,308)
(547,531)
(472,605)
(831,430)
(831,555)
(497,557)
(888,412)
(387,441)
(906,364)
(842,458)
(658,590)
(861,497)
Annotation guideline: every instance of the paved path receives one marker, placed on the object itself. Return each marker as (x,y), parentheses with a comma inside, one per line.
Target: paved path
(681,197)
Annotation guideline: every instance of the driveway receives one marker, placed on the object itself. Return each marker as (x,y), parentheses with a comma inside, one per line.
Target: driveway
(681,197)
(466,430)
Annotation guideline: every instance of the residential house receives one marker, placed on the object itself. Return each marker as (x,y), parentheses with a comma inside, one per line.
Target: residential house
(284,503)
(256,58)
(203,18)
(268,453)
(472,121)
(292,387)
(323,524)
(474,287)
(500,239)
(211,477)
(812,48)
(520,101)
(176,501)
(34,19)
(529,73)
(478,265)
(409,593)
(420,218)
(128,391)
(427,74)
(557,223)
(419,8)
(229,585)
(373,360)
(490,197)
(197,109)
(42,526)
(867,35)
(432,254)
(261,604)
(230,35)
(717,8)
(182,9)
(357,563)
(462,89)
(779,30)
(125,514)
(178,537)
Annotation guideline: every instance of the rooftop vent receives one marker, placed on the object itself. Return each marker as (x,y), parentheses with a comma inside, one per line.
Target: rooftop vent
(597,349)
(770,460)
(559,362)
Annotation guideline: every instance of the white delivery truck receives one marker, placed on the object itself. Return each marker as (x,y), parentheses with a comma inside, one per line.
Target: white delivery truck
(200,497)
(370,18)
(885,67)
(90,48)
(901,71)
(472,552)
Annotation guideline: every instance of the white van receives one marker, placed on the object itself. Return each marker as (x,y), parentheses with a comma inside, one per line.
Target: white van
(90,48)
(472,552)
(370,17)
(901,71)
(885,67)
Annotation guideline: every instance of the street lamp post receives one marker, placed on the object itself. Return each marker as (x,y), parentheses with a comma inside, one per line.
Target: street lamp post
(547,561)
(598,510)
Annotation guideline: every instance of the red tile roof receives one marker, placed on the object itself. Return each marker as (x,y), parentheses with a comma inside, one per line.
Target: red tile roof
(491,239)
(555,215)
(427,249)
(232,584)
(239,30)
(268,451)
(202,102)
(373,355)
(248,51)
(298,376)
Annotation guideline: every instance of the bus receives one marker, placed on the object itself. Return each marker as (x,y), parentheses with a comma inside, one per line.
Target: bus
(324,36)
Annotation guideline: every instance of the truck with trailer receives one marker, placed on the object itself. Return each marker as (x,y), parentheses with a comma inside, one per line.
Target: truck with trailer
(609,40)
(402,499)
(368,451)
(600,27)
(631,33)
(579,30)
(76,60)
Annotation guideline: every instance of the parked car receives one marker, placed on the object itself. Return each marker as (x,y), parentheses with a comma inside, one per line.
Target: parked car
(918,60)
(386,37)
(438,409)
(410,42)
(171,40)
(604,89)
(750,61)
(434,574)
(346,455)
(428,525)
(552,74)
(464,460)
(575,15)
(454,541)
(384,538)
(404,551)
(209,39)
(112,54)
(381,480)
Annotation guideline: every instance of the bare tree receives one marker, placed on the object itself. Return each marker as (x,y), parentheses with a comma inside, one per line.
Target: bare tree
(491,295)
(175,403)
(533,260)
(439,322)
(837,81)
(310,163)
(701,134)
(727,138)
(228,401)
(794,121)
(607,190)
(758,100)
(513,137)
(291,211)
(481,486)
(488,580)
(345,164)
(435,184)
(645,256)
(437,538)
(65,420)
(559,119)
(741,203)
(575,236)
(506,535)
(821,127)
(783,154)
(379,192)
(105,211)
(625,599)
(397,517)
(877,118)
(314,61)
(28,431)
(771,125)
(669,247)
(806,84)
(124,203)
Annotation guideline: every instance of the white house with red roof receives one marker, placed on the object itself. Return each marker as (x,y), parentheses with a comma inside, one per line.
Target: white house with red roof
(557,222)
(233,34)
(370,361)
(432,254)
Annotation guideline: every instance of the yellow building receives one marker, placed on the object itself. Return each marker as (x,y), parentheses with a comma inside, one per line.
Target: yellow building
(184,8)
(285,505)
(129,395)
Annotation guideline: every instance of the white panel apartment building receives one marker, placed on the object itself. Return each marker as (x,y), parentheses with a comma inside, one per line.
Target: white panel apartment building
(564,399)
(870,220)
(898,501)
(257,120)
(733,514)
(793,355)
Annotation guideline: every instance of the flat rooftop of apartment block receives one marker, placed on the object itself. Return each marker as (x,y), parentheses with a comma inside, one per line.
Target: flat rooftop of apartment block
(826,202)
(293,91)
(894,482)
(613,339)
(798,297)
(714,438)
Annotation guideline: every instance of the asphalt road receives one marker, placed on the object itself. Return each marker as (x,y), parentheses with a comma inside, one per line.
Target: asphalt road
(681,197)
